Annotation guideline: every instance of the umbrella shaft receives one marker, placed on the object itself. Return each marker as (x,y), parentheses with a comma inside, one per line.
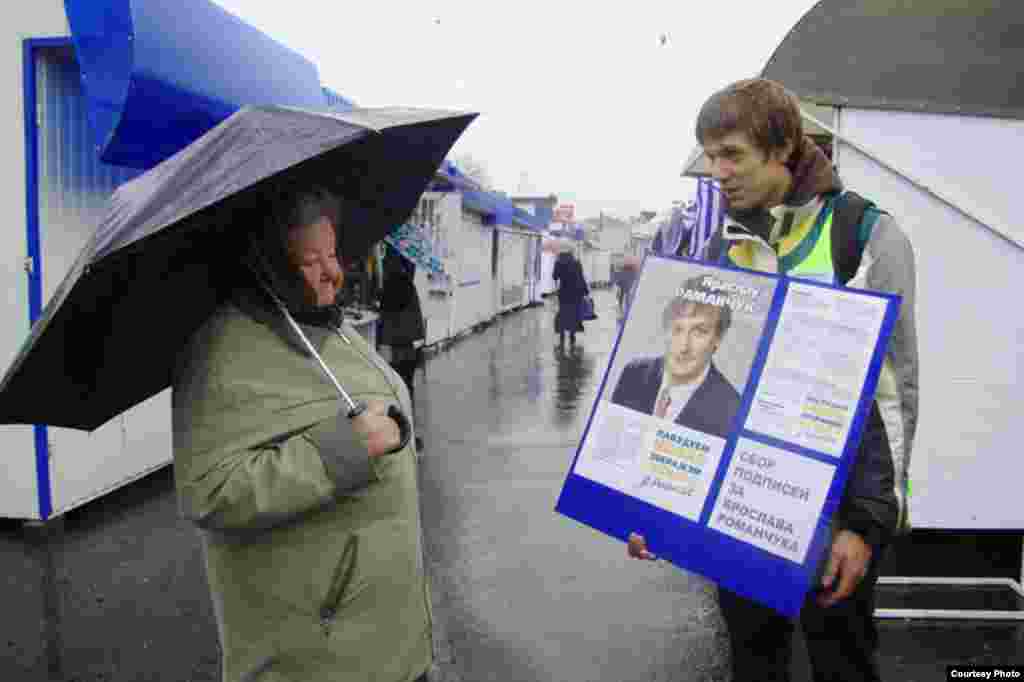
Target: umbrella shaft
(316,356)
(353,407)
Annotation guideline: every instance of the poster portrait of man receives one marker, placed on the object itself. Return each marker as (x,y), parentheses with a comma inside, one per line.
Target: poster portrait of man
(683,384)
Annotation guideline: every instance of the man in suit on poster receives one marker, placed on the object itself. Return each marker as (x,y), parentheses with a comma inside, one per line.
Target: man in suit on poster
(684,385)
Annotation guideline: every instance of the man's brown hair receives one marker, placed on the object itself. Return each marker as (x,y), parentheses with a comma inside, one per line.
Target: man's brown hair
(681,306)
(766,111)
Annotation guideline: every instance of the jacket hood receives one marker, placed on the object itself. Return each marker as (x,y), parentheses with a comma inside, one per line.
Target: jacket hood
(813,174)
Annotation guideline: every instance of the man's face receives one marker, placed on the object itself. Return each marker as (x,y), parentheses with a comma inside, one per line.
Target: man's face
(693,339)
(748,178)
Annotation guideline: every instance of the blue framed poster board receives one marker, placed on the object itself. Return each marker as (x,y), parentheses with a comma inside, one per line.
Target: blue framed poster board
(728,420)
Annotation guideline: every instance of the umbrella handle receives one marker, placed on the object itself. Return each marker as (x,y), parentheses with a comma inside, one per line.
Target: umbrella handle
(404,427)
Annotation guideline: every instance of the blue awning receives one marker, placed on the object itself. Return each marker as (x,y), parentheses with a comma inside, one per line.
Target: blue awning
(450,179)
(527,220)
(496,209)
(158,74)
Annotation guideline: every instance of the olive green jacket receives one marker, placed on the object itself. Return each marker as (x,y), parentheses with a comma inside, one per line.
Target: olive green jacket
(313,550)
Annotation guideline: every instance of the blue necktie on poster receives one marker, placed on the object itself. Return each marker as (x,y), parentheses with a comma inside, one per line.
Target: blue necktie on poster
(739,481)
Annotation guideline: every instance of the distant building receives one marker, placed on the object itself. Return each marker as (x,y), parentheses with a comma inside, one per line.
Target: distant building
(615,236)
(640,237)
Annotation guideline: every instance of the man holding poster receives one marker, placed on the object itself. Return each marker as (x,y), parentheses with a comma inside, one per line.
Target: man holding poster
(683,385)
(786,215)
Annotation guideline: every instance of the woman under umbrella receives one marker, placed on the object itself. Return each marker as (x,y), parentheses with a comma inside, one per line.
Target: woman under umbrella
(310,519)
(572,288)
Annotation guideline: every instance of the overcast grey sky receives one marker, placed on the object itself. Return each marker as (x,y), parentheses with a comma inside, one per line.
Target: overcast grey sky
(583,100)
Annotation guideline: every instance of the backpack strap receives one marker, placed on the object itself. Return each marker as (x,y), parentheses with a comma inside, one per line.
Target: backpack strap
(853,216)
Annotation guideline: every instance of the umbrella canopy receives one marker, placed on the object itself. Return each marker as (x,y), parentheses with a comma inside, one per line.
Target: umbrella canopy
(168,250)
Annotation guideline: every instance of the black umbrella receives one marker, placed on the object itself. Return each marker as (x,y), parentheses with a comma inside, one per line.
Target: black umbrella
(167,252)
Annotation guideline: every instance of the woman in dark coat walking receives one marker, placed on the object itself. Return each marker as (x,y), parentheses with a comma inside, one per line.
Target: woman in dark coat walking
(572,288)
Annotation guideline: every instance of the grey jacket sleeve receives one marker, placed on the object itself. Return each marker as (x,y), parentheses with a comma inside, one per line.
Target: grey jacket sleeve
(344,454)
(891,268)
(279,481)
(877,492)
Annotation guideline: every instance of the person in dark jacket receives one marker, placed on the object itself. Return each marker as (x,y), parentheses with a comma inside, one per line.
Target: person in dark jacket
(402,328)
(572,288)
(684,385)
(779,185)
(626,280)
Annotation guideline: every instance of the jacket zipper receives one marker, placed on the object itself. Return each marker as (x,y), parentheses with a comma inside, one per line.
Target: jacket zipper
(330,608)
(342,577)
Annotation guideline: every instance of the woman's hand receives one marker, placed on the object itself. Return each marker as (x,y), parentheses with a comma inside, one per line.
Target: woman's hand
(379,432)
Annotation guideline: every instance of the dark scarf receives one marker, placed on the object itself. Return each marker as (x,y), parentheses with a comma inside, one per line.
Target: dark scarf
(813,174)
(330,316)
(251,297)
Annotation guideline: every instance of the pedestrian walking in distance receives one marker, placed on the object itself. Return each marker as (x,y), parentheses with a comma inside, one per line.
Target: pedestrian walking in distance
(572,288)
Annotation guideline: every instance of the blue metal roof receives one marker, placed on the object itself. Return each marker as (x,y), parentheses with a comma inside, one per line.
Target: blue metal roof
(157,74)
(450,179)
(496,209)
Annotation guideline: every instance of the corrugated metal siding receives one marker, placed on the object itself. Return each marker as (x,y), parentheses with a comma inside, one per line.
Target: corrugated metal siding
(73,189)
(74,185)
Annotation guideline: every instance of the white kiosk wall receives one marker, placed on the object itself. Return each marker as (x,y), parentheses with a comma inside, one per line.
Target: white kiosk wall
(602,267)
(966,467)
(437,292)
(512,251)
(474,294)
(547,266)
(19,492)
(72,189)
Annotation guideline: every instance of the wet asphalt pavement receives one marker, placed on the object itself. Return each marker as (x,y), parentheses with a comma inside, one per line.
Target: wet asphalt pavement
(521,594)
